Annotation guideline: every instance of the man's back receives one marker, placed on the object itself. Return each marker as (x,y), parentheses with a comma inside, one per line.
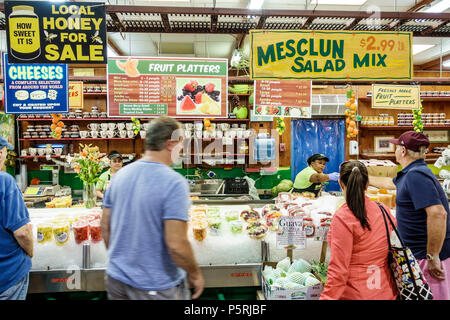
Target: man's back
(417,189)
(14,262)
(141,196)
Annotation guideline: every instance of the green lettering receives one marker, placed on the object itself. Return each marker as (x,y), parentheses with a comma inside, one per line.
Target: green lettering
(308,66)
(301,52)
(381,59)
(291,49)
(324,52)
(358,63)
(338,49)
(316,69)
(280,50)
(298,61)
(265,57)
(311,48)
(328,66)
(340,65)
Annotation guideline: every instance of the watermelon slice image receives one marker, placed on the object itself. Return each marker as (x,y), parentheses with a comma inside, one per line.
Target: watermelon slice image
(187,104)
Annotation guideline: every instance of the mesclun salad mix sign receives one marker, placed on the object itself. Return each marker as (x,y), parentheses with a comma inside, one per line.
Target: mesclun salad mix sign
(184,87)
(330,55)
(395,97)
(35,88)
(55,32)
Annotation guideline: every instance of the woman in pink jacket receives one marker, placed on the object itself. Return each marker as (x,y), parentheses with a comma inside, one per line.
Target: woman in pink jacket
(358,268)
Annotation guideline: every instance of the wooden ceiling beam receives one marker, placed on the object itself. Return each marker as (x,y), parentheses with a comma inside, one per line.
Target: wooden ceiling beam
(432,63)
(419,5)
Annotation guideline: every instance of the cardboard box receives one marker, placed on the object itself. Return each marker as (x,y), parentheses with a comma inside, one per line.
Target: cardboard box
(380,168)
(271,293)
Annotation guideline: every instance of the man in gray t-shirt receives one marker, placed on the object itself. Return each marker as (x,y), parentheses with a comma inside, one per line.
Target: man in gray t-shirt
(144,224)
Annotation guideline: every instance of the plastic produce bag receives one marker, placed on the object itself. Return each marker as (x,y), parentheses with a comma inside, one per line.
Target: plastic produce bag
(252,191)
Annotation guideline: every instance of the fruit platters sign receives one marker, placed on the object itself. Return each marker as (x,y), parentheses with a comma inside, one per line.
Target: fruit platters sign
(176,87)
(283,98)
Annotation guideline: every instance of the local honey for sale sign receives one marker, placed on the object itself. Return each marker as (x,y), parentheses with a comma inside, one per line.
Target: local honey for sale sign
(55,32)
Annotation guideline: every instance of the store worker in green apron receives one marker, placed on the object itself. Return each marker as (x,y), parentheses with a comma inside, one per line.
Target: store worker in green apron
(312,178)
(115,163)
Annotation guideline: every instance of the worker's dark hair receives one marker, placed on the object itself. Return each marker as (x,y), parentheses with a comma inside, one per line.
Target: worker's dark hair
(161,129)
(355,178)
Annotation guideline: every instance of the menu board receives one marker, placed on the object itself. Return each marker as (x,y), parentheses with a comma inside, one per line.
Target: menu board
(283,98)
(35,88)
(176,87)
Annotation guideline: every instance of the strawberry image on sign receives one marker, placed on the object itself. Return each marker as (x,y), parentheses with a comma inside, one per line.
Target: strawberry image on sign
(209,87)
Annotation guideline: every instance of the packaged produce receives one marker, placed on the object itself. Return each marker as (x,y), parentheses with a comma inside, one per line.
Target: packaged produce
(394,194)
(256,230)
(284,197)
(214,224)
(386,199)
(309,227)
(309,195)
(272,220)
(213,214)
(61,233)
(231,215)
(236,226)
(199,229)
(44,232)
(80,231)
(372,190)
(250,216)
(269,208)
(94,230)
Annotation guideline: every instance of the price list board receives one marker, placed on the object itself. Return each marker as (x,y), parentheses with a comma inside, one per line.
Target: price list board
(283,98)
(151,87)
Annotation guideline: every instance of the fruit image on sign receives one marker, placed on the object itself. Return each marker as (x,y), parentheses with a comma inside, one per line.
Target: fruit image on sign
(129,66)
(198,96)
(268,110)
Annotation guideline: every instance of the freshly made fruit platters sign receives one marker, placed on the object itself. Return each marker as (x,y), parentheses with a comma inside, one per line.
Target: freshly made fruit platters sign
(176,87)
(282,98)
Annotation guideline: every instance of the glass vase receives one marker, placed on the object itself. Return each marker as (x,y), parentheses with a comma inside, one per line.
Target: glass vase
(89,196)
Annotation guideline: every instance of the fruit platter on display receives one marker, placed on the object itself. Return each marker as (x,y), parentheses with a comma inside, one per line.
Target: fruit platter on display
(199,99)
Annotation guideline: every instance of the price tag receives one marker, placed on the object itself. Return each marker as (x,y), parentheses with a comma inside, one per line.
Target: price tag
(290,233)
(322,233)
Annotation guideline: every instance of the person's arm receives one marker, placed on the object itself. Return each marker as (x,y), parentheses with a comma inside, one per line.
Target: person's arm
(24,236)
(341,246)
(382,183)
(99,193)
(181,252)
(319,178)
(436,230)
(105,225)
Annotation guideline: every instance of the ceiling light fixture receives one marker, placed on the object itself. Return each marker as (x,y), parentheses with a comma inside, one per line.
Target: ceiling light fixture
(438,7)
(339,2)
(418,48)
(255,4)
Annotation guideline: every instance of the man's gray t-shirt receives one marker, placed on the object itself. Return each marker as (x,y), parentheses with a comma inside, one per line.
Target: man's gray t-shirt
(141,196)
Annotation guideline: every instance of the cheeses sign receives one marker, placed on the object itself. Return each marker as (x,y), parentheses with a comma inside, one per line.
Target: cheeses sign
(49,32)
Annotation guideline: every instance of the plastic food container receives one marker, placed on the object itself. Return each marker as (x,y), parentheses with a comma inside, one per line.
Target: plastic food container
(199,228)
(372,190)
(61,233)
(80,231)
(386,199)
(94,231)
(232,216)
(236,226)
(44,232)
(309,227)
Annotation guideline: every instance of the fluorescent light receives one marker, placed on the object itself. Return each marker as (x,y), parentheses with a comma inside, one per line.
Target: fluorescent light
(339,2)
(446,64)
(418,48)
(255,4)
(439,7)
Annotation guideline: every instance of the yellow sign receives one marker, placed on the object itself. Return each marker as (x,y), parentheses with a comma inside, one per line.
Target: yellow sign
(395,97)
(330,55)
(75,95)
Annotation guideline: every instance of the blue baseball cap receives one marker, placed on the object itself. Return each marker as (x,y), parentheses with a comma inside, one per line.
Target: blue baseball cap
(4,143)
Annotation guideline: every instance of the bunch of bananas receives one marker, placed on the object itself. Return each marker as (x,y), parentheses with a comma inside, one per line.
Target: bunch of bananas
(417,123)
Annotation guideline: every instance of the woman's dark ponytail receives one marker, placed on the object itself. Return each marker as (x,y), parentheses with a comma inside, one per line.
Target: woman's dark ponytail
(355,178)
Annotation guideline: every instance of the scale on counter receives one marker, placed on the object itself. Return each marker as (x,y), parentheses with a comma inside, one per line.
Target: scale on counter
(53,189)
